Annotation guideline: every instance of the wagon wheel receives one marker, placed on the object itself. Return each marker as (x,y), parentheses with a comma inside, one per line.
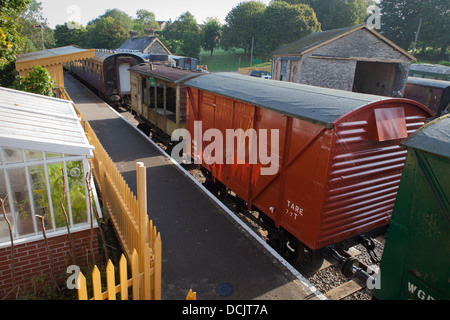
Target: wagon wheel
(293,250)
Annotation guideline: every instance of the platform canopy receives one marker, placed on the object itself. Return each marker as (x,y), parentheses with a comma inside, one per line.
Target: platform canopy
(52,60)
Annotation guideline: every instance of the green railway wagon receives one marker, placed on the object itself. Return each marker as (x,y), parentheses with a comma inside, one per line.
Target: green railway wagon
(416,259)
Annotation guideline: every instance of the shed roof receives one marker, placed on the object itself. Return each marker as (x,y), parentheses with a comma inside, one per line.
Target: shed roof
(169,74)
(434,137)
(314,104)
(37,122)
(317,39)
(142,44)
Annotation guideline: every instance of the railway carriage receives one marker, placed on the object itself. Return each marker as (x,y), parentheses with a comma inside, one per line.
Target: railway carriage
(338,157)
(108,73)
(158,98)
(434,94)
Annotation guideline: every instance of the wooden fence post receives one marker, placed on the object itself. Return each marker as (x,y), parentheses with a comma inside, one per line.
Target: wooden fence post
(143,228)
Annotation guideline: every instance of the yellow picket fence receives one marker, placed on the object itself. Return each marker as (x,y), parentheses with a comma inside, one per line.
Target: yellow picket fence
(129,216)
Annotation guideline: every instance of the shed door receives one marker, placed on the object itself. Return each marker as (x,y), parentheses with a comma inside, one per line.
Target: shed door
(124,78)
(374,78)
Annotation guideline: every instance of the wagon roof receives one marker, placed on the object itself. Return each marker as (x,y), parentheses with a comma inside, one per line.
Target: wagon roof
(434,137)
(103,54)
(314,104)
(37,122)
(429,82)
(170,74)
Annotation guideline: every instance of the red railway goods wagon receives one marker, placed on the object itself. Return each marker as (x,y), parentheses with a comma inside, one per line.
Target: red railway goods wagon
(338,157)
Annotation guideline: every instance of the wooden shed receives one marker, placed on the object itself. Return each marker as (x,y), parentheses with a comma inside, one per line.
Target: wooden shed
(355,59)
(43,152)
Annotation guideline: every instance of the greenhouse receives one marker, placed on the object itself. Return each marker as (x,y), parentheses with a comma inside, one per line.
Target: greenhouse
(43,168)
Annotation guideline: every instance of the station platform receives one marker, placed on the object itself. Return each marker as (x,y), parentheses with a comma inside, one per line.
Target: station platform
(205,248)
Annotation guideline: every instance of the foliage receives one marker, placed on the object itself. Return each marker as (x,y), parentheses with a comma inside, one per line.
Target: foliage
(400,20)
(182,37)
(30,17)
(144,20)
(37,81)
(300,20)
(334,14)
(109,30)
(11,39)
(211,34)
(70,34)
(242,24)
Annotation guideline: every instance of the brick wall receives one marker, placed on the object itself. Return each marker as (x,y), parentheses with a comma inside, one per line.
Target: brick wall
(32,259)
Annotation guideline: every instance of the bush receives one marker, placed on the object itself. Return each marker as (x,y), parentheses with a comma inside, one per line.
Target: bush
(37,81)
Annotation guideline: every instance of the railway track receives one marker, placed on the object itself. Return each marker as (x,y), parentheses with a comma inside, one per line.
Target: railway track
(324,274)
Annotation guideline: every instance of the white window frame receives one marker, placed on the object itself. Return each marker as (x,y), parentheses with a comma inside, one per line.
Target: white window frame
(52,232)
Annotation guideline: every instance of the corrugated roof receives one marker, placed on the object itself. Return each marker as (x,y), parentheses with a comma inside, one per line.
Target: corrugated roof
(37,122)
(169,74)
(434,137)
(314,104)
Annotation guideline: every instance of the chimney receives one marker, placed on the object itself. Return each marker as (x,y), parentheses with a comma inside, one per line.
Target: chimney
(149,32)
(133,34)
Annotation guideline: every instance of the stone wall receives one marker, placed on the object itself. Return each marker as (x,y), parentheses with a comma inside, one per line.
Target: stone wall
(339,73)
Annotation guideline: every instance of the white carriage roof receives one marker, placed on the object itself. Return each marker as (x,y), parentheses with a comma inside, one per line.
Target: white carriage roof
(40,123)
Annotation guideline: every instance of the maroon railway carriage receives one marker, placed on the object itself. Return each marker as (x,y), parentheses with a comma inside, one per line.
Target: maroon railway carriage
(108,73)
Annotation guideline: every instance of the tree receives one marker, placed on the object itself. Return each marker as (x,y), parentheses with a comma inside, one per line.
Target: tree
(211,34)
(144,20)
(11,39)
(109,30)
(35,28)
(183,36)
(70,34)
(286,23)
(334,14)
(400,20)
(38,81)
(242,24)
(186,23)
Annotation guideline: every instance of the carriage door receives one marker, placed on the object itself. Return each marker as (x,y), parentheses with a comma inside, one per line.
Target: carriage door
(124,78)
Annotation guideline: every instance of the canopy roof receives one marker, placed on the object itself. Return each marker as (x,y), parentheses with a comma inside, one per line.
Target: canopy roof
(51,57)
(434,137)
(314,104)
(40,123)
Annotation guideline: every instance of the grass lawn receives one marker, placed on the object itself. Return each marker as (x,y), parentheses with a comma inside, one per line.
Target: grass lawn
(227,61)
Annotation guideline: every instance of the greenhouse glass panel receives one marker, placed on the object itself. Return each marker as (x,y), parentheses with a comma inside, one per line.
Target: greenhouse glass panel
(49,155)
(33,155)
(40,195)
(13,155)
(4,229)
(56,183)
(20,201)
(77,191)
